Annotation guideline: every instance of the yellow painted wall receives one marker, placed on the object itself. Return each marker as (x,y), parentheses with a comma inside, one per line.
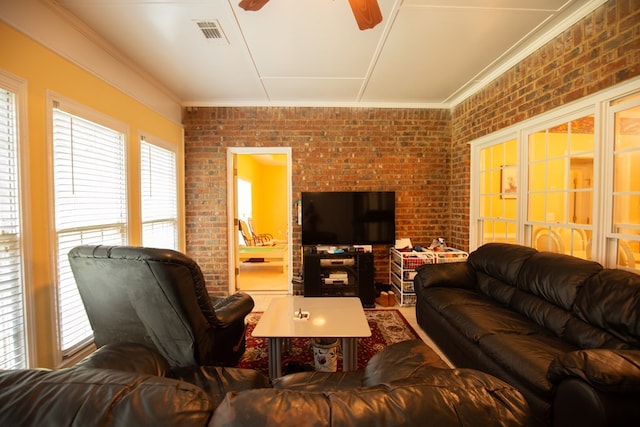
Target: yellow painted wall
(270,200)
(44,71)
(269,194)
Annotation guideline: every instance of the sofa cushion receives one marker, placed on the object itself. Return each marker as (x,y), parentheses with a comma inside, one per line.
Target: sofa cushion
(526,357)
(475,315)
(442,298)
(586,335)
(79,397)
(611,301)
(541,312)
(556,278)
(495,288)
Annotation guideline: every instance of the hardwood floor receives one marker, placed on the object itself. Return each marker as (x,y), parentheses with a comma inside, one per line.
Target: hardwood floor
(262,276)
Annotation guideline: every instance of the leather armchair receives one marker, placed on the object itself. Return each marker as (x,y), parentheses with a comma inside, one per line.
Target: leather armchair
(158,298)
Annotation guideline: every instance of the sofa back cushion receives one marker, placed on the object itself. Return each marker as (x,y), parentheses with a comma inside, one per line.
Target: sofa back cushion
(129,357)
(610,300)
(575,299)
(439,397)
(556,278)
(500,261)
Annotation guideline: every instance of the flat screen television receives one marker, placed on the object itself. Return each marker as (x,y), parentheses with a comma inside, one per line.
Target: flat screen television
(348,218)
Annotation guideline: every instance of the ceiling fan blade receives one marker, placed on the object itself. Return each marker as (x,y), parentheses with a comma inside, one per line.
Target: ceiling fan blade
(367,13)
(252,4)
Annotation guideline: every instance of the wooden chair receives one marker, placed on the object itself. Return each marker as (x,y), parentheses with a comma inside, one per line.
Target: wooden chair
(546,239)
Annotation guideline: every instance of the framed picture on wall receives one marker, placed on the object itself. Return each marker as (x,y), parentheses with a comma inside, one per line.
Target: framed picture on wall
(508,182)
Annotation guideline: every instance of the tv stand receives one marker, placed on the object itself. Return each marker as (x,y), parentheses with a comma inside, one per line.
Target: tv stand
(339,275)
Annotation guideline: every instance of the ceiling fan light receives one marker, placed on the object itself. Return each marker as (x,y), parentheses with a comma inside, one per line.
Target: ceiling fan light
(366,12)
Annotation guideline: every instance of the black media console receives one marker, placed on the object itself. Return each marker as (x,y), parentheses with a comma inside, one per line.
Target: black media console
(339,275)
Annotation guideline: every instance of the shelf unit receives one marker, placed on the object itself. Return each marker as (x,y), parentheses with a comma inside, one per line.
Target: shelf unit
(339,275)
(402,269)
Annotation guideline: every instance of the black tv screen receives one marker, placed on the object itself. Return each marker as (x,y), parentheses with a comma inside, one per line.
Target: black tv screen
(348,218)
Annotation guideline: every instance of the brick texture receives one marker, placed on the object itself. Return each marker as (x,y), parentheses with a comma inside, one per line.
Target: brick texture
(333,149)
(421,154)
(600,51)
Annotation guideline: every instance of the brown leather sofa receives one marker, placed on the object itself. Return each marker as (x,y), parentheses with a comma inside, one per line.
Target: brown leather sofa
(131,385)
(562,330)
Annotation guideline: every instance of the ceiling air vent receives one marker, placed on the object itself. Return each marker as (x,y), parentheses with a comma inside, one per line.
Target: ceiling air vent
(212,30)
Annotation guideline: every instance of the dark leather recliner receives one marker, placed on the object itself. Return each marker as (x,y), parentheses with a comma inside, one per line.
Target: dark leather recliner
(158,297)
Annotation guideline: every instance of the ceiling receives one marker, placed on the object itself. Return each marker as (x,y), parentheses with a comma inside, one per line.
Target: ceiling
(425,53)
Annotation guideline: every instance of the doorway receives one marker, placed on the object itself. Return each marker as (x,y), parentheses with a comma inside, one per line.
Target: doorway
(581,202)
(259,219)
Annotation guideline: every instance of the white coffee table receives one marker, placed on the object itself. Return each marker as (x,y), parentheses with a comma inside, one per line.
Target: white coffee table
(334,317)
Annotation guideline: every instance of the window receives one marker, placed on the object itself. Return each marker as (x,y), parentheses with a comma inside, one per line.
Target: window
(560,187)
(577,187)
(90,191)
(159,196)
(13,340)
(497,193)
(625,199)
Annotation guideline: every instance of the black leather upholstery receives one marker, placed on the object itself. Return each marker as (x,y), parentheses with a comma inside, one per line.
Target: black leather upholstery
(518,314)
(119,385)
(405,384)
(158,298)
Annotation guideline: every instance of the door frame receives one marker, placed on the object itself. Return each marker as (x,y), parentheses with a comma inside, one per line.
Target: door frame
(232,208)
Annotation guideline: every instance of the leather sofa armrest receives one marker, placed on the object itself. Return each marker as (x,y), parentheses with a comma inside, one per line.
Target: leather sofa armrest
(232,309)
(454,275)
(400,360)
(608,370)
(128,357)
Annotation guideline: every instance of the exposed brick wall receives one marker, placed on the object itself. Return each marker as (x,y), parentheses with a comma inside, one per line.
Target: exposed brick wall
(333,149)
(600,51)
(423,155)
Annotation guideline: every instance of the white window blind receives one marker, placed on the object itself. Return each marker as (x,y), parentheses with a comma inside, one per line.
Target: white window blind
(13,351)
(159,196)
(90,207)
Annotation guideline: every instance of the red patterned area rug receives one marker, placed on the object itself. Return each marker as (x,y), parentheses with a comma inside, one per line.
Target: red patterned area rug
(387,327)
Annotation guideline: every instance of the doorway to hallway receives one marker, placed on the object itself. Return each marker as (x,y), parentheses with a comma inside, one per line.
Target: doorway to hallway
(259,201)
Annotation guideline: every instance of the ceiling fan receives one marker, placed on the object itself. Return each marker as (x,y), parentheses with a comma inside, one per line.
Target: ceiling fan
(366,12)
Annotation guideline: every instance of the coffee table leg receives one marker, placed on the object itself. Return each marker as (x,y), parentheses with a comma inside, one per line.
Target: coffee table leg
(275,357)
(349,354)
